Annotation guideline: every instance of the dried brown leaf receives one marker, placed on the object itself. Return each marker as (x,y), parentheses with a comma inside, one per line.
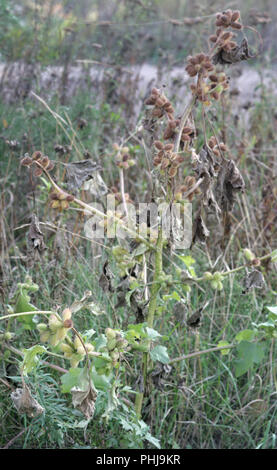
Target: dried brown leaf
(25,403)
(84,400)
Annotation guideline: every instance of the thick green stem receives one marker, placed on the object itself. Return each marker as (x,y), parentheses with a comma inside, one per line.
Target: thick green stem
(151,313)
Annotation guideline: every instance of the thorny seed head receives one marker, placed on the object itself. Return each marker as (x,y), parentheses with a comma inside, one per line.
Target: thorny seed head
(228,19)
(199,64)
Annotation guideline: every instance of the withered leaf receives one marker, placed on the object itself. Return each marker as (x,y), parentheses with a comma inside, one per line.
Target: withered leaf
(229,182)
(204,167)
(35,243)
(253,279)
(200,231)
(195,319)
(138,306)
(105,280)
(84,400)
(25,403)
(238,54)
(77,173)
(160,373)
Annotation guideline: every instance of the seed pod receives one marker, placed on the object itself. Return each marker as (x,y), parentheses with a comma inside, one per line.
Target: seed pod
(172,172)
(213,38)
(157,112)
(42,327)
(38,172)
(191,70)
(64,205)
(185,138)
(235,16)
(187,130)
(37,155)
(110,333)
(165,163)
(55,204)
(45,161)
(66,348)
(50,165)
(150,101)
(159,102)
(70,198)
(158,145)
(169,147)
(236,25)
(215,95)
(54,323)
(44,337)
(26,161)
(170,110)
(172,124)
(248,254)
(157,161)
(68,323)
(168,133)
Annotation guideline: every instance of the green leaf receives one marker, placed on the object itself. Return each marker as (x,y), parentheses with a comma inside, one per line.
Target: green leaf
(173,296)
(142,248)
(248,355)
(159,353)
(153,440)
(22,301)
(70,379)
(101,382)
(188,260)
(30,360)
(245,335)
(226,351)
(272,309)
(152,334)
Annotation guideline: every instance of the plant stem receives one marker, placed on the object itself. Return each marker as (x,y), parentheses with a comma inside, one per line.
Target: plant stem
(151,315)
(199,353)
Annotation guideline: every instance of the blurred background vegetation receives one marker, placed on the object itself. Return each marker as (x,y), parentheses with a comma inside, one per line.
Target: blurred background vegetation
(119,31)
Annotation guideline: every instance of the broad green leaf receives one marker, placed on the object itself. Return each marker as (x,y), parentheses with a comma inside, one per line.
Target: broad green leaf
(101,382)
(159,353)
(248,355)
(30,360)
(226,351)
(152,334)
(245,335)
(100,342)
(70,379)
(272,309)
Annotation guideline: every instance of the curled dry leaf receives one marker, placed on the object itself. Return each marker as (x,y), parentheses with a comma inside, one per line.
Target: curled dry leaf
(200,231)
(35,243)
(78,304)
(229,182)
(161,372)
(237,54)
(194,320)
(105,280)
(25,403)
(84,400)
(77,173)
(253,279)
